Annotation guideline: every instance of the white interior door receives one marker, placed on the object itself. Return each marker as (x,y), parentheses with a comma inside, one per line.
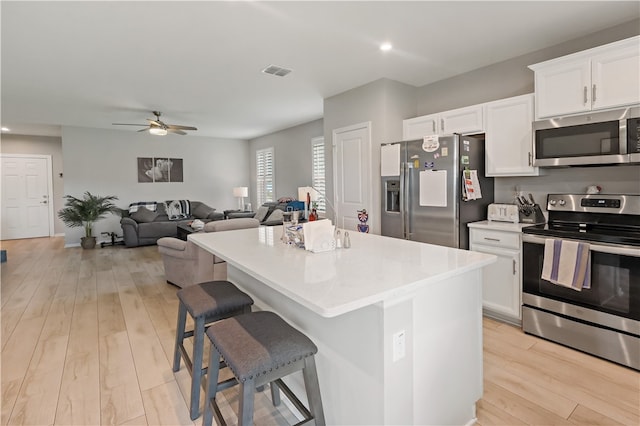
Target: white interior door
(26,192)
(352,174)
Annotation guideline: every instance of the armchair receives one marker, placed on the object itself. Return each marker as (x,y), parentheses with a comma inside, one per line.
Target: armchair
(186,264)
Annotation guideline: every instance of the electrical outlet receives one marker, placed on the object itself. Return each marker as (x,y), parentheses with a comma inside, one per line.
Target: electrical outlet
(399,345)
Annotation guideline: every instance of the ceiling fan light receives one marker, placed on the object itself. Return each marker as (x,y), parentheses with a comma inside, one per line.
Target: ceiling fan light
(158,131)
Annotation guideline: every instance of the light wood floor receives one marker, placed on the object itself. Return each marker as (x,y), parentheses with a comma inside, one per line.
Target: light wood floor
(87,339)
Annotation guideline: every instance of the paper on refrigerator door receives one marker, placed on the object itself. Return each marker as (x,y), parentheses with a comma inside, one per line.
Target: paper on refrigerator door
(390,160)
(472,190)
(433,188)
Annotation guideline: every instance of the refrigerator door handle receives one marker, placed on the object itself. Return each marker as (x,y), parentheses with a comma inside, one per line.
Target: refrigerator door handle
(403,198)
(408,228)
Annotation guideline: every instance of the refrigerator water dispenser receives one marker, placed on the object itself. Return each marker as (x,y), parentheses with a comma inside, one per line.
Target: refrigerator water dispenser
(392,196)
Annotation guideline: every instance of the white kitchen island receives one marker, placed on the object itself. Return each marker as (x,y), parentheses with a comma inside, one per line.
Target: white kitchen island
(398,324)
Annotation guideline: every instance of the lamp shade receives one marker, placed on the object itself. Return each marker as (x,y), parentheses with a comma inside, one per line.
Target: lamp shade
(241,191)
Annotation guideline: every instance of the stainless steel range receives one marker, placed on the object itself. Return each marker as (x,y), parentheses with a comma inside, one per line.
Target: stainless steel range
(603,320)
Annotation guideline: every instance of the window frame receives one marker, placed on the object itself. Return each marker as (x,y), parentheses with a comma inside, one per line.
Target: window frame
(262,178)
(317,182)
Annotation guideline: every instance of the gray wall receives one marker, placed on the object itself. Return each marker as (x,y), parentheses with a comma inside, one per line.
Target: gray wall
(384,103)
(508,78)
(292,157)
(41,145)
(104,162)
(513,77)
(612,179)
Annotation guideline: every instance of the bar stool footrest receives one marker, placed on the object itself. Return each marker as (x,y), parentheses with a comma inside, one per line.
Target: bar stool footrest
(294,400)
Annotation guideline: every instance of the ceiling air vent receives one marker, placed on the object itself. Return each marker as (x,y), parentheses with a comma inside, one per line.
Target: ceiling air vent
(276,70)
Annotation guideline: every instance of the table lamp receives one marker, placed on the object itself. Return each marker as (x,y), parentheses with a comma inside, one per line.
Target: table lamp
(240,192)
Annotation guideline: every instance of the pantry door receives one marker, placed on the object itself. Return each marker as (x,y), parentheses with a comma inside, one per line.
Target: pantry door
(26,193)
(352,174)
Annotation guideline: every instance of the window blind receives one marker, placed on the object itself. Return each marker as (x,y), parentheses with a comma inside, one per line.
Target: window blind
(318,171)
(265,175)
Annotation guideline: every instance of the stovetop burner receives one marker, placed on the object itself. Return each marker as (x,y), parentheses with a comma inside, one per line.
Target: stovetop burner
(613,219)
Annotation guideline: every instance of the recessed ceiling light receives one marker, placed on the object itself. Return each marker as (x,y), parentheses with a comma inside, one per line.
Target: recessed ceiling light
(6,129)
(385,46)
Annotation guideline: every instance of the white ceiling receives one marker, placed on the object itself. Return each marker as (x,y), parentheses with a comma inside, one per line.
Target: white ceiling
(95,63)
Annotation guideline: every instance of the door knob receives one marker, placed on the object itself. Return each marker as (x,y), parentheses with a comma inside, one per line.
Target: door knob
(43,202)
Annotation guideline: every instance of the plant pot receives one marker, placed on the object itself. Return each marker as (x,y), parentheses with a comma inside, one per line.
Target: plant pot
(88,242)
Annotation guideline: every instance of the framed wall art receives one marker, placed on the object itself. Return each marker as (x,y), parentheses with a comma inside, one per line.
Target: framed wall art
(153,169)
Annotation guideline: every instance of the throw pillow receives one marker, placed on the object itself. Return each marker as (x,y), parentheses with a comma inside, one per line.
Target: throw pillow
(143,215)
(177,209)
(202,211)
(149,205)
(261,213)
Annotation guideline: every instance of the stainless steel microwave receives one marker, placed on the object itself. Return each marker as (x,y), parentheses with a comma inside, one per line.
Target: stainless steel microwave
(609,137)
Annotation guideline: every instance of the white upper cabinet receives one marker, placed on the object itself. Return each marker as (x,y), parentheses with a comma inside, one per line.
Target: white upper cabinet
(509,137)
(419,127)
(600,78)
(462,120)
(465,120)
(615,77)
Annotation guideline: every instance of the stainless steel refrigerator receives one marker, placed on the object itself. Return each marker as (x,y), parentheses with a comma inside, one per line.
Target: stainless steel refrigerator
(424,196)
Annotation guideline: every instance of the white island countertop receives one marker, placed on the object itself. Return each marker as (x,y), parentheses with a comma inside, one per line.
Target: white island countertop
(332,283)
(398,324)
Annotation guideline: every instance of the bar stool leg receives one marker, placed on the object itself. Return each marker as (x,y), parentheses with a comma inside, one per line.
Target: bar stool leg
(213,372)
(197,373)
(182,321)
(275,393)
(312,386)
(245,410)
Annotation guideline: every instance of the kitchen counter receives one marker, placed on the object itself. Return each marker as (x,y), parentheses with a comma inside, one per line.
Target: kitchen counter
(499,226)
(398,323)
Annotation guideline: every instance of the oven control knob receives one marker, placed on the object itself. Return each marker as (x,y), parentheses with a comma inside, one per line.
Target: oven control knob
(563,202)
(552,202)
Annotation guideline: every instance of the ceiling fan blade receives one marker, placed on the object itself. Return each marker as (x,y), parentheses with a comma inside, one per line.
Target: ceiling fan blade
(143,130)
(175,126)
(176,131)
(128,124)
(156,122)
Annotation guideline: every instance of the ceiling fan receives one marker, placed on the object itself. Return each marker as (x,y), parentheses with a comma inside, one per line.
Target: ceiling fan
(159,128)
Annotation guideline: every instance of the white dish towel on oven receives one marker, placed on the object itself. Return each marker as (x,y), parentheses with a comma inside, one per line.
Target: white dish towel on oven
(567,263)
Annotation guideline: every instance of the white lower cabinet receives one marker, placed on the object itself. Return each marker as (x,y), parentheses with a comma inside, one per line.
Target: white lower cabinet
(502,282)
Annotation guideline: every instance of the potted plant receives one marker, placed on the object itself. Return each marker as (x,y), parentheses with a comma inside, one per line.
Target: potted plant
(84,212)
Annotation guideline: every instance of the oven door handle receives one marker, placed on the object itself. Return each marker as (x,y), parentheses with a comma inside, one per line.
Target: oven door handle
(620,249)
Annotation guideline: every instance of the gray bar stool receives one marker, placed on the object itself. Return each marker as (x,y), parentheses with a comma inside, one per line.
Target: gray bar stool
(260,348)
(206,303)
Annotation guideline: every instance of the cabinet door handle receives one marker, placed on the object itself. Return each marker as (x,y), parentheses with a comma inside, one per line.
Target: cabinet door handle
(530,157)
(514,266)
(492,239)
(585,95)
(434,126)
(442,124)
(593,94)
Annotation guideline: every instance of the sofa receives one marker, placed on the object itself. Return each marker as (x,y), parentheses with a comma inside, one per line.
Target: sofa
(270,213)
(143,223)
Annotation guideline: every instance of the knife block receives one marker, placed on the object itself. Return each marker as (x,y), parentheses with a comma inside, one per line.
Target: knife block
(533,215)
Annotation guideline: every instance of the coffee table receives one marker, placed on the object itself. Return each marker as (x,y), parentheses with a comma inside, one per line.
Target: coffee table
(184,230)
